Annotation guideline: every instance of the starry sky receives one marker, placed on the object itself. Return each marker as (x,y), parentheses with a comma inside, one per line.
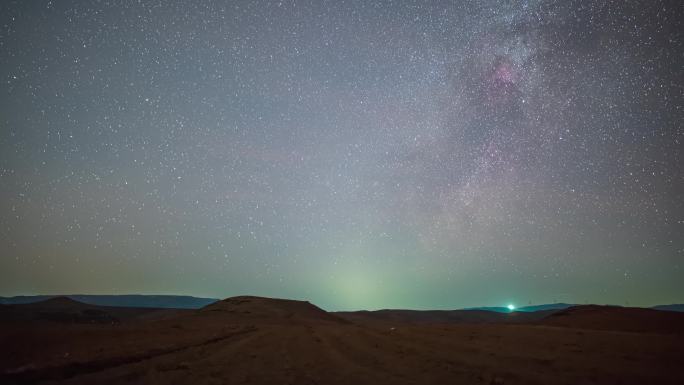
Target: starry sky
(357,154)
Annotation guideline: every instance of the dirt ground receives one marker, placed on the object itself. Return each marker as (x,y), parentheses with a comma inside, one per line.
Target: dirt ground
(262,341)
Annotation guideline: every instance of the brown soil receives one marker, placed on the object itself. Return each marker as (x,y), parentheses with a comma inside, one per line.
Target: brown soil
(251,340)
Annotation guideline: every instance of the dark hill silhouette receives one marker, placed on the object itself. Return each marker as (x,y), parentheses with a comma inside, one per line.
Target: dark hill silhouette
(673,307)
(67,310)
(125,300)
(56,304)
(617,318)
(272,309)
(444,316)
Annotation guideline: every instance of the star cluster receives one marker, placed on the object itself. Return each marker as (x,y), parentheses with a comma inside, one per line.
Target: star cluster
(356,154)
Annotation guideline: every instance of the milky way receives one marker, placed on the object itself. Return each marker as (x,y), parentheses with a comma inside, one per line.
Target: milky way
(355,154)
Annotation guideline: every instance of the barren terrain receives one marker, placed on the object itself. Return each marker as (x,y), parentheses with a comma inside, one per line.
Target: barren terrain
(252,340)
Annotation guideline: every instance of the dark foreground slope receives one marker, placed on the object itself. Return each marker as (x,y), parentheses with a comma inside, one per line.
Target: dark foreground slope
(251,340)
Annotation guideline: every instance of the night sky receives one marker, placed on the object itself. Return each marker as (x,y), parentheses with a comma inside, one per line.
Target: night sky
(355,154)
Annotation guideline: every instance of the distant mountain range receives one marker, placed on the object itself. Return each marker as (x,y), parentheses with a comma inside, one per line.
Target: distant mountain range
(189,302)
(443,316)
(67,310)
(561,306)
(674,307)
(550,306)
(132,300)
